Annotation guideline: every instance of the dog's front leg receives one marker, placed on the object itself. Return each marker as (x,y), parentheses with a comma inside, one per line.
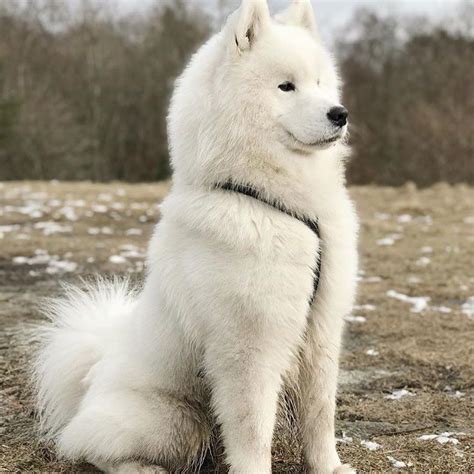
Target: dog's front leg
(318,385)
(245,368)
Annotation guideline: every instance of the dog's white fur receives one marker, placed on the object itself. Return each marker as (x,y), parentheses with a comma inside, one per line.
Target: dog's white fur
(223,322)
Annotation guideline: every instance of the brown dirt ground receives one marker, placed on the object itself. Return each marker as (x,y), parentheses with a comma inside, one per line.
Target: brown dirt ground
(430,354)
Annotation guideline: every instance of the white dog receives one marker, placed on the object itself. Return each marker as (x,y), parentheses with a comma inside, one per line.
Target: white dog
(250,272)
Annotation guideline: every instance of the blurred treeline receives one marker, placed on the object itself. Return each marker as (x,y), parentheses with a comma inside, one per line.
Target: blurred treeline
(410,91)
(84,93)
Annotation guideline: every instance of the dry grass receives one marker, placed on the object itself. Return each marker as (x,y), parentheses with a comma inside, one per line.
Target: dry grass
(430,354)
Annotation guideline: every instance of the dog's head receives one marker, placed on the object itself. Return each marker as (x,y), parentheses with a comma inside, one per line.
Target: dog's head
(263,87)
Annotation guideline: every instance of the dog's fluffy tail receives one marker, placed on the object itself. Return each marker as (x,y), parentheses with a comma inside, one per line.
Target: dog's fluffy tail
(83,324)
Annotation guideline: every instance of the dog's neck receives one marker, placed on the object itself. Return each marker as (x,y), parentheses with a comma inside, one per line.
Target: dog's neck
(254,193)
(302,184)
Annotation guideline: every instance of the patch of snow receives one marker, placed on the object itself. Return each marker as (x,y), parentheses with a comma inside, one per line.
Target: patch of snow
(61,266)
(426,250)
(69,213)
(99,208)
(443,438)
(355,319)
(41,257)
(468,307)
(105,197)
(364,307)
(117,259)
(423,261)
(452,393)
(441,309)
(345,439)
(390,239)
(398,394)
(373,279)
(101,230)
(420,303)
(372,352)
(129,247)
(386,242)
(9,228)
(75,202)
(404,218)
(53,262)
(50,228)
(31,209)
(131,251)
(381,216)
(131,232)
(398,464)
(414,280)
(459,454)
(452,249)
(370,445)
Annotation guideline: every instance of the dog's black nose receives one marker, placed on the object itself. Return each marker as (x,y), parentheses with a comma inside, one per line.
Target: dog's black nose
(338,116)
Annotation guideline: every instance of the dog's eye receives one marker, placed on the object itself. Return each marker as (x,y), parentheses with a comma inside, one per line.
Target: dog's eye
(287,87)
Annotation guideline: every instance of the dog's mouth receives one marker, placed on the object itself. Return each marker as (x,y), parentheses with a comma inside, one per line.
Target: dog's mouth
(316,144)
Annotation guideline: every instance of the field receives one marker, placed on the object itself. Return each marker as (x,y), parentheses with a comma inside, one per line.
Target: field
(407,381)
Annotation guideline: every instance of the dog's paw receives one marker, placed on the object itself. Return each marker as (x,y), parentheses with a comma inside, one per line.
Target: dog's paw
(345,469)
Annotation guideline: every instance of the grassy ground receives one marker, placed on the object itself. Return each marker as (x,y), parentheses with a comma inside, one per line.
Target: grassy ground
(413,243)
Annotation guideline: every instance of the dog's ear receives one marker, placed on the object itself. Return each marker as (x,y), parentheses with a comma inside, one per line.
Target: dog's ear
(299,13)
(248,22)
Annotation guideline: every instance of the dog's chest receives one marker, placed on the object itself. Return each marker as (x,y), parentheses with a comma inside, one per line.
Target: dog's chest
(267,255)
(241,252)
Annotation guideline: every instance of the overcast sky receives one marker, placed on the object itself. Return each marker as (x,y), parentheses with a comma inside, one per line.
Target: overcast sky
(331,13)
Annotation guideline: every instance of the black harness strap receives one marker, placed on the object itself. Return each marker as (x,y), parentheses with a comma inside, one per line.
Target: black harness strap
(313,225)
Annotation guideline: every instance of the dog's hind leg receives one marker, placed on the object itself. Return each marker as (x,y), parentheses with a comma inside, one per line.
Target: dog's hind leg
(113,430)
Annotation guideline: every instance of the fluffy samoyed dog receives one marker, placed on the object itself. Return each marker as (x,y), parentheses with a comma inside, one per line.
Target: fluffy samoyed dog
(251,271)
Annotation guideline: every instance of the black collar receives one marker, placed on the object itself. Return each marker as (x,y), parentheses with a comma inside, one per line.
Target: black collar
(249,191)
(253,193)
